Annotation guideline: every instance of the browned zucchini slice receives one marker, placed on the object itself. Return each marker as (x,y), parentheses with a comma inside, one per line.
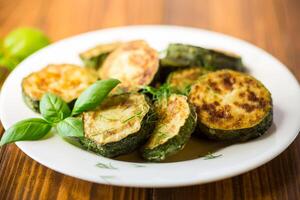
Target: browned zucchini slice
(121,124)
(176,122)
(231,105)
(181,80)
(64,80)
(134,63)
(95,56)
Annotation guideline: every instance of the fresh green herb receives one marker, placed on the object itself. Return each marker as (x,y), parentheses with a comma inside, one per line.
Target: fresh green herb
(105,166)
(56,114)
(28,129)
(94,95)
(210,155)
(70,127)
(132,117)
(186,90)
(162,92)
(53,108)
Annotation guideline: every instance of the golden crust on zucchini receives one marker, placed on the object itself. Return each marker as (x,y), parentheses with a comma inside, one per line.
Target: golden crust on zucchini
(172,112)
(64,80)
(134,63)
(118,117)
(103,48)
(230,100)
(181,79)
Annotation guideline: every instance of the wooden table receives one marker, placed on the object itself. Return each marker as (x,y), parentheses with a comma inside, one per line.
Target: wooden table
(273,25)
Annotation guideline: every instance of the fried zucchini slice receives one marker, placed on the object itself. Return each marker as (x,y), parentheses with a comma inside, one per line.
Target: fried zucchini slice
(231,106)
(121,124)
(183,55)
(177,120)
(95,56)
(181,80)
(224,60)
(134,63)
(64,80)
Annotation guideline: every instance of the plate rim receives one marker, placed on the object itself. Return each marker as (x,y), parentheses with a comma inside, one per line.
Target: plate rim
(235,172)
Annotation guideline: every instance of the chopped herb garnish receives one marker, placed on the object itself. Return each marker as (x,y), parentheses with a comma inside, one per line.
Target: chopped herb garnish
(105,166)
(163,91)
(210,155)
(134,116)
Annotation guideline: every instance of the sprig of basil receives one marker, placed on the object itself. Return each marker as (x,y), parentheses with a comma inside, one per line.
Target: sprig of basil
(94,95)
(70,127)
(28,129)
(57,113)
(53,108)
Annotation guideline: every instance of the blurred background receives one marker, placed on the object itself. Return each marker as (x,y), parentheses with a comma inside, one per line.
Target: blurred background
(273,25)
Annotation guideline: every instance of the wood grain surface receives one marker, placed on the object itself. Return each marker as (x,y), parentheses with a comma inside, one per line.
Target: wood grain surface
(273,25)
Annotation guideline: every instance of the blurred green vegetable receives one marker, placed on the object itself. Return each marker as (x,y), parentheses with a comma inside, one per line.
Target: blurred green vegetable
(19,44)
(9,63)
(22,42)
(1,49)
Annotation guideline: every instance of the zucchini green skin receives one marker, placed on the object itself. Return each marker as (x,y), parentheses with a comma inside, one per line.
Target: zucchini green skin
(94,62)
(126,145)
(222,60)
(182,55)
(95,56)
(174,144)
(34,105)
(240,135)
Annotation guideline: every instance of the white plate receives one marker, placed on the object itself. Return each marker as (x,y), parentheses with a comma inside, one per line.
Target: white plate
(68,159)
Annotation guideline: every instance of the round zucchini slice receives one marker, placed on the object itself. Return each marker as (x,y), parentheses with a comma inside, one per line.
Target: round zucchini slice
(184,55)
(121,124)
(231,106)
(95,56)
(181,80)
(177,120)
(134,63)
(64,80)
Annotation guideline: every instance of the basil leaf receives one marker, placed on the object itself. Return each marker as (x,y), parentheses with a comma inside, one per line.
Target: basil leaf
(53,108)
(94,95)
(28,129)
(70,127)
